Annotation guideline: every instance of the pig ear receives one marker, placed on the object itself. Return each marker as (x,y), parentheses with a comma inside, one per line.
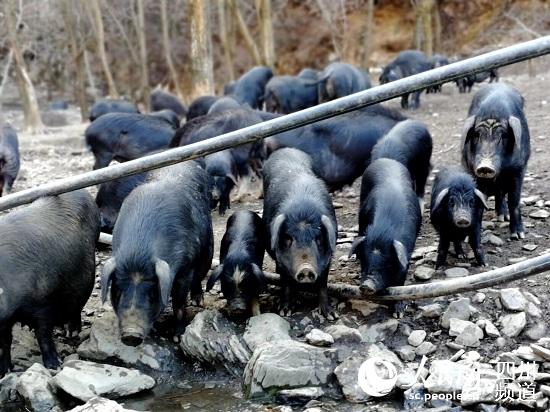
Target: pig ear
(358,240)
(232,178)
(260,276)
(440,198)
(468,125)
(515,125)
(401,253)
(106,277)
(481,197)
(214,276)
(327,223)
(275,228)
(162,269)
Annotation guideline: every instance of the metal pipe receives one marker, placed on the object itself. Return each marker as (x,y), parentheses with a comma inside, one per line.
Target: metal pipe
(497,58)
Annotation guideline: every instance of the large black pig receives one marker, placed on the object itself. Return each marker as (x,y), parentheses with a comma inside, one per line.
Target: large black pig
(456,212)
(104,106)
(161,100)
(125,136)
(466,83)
(224,104)
(162,247)
(410,143)
(341,79)
(241,258)
(438,60)
(496,148)
(406,64)
(250,87)
(170,117)
(308,73)
(288,94)
(110,196)
(9,157)
(300,225)
(47,269)
(389,222)
(222,178)
(200,106)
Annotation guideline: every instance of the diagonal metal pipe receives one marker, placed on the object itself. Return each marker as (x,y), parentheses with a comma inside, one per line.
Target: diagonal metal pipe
(501,57)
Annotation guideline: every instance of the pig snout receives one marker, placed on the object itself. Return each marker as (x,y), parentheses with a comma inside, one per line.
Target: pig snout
(216,195)
(486,169)
(370,285)
(306,273)
(462,219)
(132,336)
(237,304)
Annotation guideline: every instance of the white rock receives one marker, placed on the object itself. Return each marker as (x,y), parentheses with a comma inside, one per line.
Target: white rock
(479,297)
(423,273)
(481,389)
(512,299)
(8,388)
(457,326)
(425,348)
(378,332)
(416,337)
(85,380)
(433,310)
(513,324)
(469,336)
(267,327)
(459,309)
(456,272)
(446,376)
(364,306)
(34,387)
(343,333)
(491,330)
(539,214)
(99,404)
(319,338)
(406,353)
(533,310)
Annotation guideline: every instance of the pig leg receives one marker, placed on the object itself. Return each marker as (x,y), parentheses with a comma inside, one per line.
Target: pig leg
(442,250)
(180,291)
(196,291)
(501,208)
(284,306)
(1,184)
(516,225)
(416,100)
(405,101)
(324,302)
(474,238)
(255,306)
(8,184)
(43,332)
(5,349)
(458,249)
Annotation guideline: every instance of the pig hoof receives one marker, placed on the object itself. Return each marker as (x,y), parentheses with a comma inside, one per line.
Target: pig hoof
(521,235)
(176,339)
(507,218)
(500,218)
(285,311)
(517,235)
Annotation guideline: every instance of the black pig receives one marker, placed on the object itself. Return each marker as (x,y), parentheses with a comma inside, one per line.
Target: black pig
(341,79)
(288,94)
(241,258)
(104,106)
(222,172)
(47,269)
(300,225)
(456,212)
(200,106)
(496,148)
(250,87)
(389,222)
(162,247)
(161,100)
(9,157)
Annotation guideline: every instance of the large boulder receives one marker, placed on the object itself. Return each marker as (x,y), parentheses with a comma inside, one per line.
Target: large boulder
(212,339)
(86,380)
(8,388)
(104,344)
(287,365)
(35,388)
(99,404)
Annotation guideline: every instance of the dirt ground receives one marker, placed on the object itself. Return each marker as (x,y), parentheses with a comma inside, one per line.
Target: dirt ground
(61,152)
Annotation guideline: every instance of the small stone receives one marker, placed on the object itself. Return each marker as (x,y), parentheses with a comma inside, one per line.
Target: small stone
(433,310)
(512,299)
(479,297)
(494,240)
(500,342)
(365,307)
(459,326)
(511,261)
(99,404)
(342,333)
(456,272)
(425,348)
(423,273)
(531,298)
(416,337)
(513,324)
(406,353)
(447,377)
(406,378)
(529,247)
(459,309)
(378,332)
(419,252)
(539,214)
(319,338)
(471,356)
(486,225)
(469,336)
(300,395)
(533,310)
(491,330)
(530,200)
(536,331)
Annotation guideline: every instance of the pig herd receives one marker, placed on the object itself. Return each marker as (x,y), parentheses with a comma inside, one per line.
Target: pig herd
(161,221)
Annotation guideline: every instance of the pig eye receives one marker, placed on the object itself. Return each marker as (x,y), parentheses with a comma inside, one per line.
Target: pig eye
(287,241)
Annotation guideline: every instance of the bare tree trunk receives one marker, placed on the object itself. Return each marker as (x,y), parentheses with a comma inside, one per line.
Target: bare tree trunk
(202,72)
(124,34)
(424,12)
(77,52)
(367,38)
(326,15)
(6,74)
(90,75)
(263,8)
(140,30)
(225,41)
(33,121)
(249,41)
(437,27)
(166,45)
(97,20)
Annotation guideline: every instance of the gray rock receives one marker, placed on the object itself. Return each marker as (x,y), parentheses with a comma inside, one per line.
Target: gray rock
(469,336)
(491,330)
(8,388)
(416,337)
(433,310)
(212,339)
(481,389)
(419,252)
(364,306)
(479,297)
(459,309)
(530,200)
(104,344)
(423,273)
(299,395)
(533,310)
(456,272)
(493,240)
(530,247)
(343,333)
(319,338)
(539,214)
(99,404)
(446,376)
(425,348)
(275,366)
(406,378)
(35,388)
(85,380)
(512,299)
(267,327)
(513,324)
(458,326)
(378,332)
(536,331)
(406,353)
